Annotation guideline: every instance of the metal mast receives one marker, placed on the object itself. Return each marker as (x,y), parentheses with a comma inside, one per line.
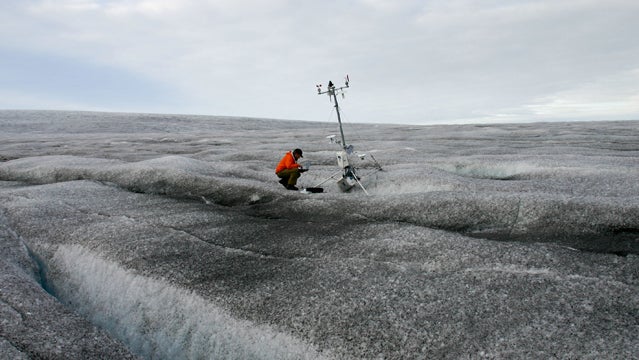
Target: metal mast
(349,175)
(333,91)
(339,118)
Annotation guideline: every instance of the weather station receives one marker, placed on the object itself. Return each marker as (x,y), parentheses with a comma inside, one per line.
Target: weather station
(348,176)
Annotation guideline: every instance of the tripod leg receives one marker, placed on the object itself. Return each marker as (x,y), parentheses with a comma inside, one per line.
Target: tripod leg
(362,186)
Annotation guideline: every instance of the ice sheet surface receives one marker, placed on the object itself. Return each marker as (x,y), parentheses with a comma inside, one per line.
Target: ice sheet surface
(172,234)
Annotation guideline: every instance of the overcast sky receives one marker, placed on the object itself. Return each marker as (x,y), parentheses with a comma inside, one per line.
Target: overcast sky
(409,62)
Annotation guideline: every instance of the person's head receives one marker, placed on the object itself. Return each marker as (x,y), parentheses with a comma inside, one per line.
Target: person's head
(297,153)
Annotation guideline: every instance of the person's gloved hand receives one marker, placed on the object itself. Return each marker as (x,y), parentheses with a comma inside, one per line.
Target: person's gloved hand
(303,170)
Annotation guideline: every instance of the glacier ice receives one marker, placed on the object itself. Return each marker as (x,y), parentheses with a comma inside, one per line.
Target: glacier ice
(172,234)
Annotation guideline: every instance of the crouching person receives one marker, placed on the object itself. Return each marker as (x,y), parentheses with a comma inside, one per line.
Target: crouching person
(288,170)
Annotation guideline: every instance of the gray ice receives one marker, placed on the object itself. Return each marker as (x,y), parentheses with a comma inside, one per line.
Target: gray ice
(168,237)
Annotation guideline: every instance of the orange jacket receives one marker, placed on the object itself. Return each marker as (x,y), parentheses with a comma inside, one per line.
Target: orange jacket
(287,162)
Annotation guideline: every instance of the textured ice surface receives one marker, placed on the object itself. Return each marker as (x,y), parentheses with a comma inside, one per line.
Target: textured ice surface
(172,233)
(35,325)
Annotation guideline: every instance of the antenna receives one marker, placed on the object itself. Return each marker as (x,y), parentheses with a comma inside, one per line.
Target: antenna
(349,176)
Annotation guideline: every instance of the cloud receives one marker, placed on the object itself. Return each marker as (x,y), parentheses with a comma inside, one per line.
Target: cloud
(613,98)
(409,60)
(59,82)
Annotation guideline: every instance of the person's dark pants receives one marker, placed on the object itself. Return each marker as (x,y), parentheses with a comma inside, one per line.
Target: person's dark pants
(289,176)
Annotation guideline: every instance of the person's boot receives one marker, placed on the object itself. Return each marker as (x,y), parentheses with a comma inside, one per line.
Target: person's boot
(284,182)
(291,187)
